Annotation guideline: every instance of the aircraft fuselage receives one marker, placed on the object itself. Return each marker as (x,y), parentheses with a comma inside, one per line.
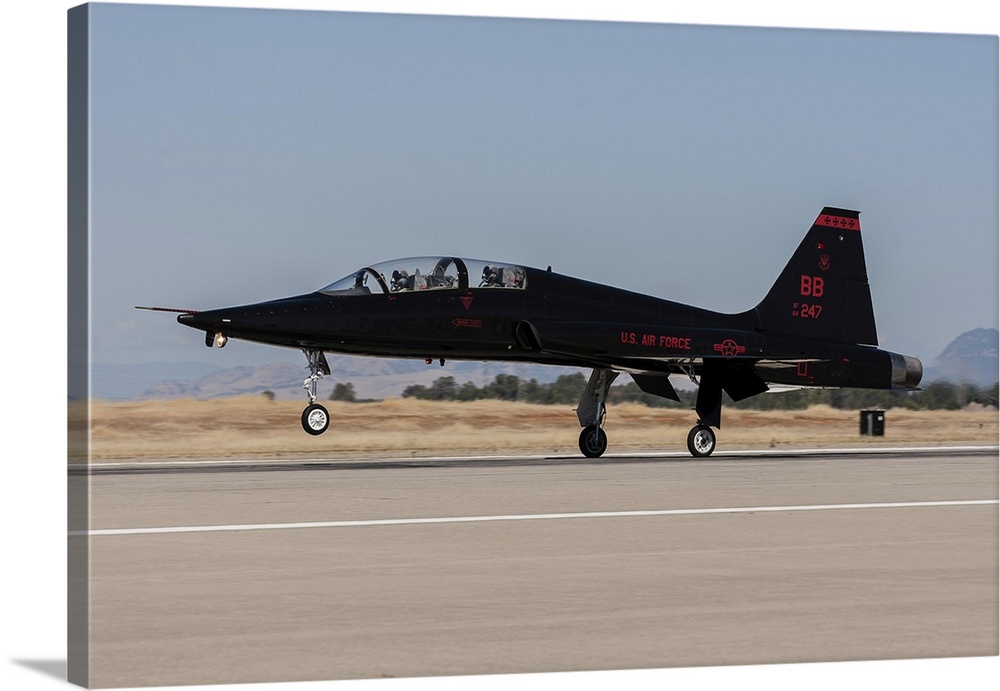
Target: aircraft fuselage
(555,320)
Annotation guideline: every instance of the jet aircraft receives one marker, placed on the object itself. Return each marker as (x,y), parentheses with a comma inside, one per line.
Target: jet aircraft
(814,328)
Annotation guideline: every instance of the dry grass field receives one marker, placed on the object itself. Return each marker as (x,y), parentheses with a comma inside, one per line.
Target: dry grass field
(252,427)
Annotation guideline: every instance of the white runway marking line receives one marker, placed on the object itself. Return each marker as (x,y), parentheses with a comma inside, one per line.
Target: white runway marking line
(523,517)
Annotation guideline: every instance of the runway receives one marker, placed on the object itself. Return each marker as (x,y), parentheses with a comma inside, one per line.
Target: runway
(271,571)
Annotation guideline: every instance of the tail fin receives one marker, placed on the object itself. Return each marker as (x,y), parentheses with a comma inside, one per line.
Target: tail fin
(823,291)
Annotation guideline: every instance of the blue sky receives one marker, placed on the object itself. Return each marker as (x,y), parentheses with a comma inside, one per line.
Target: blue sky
(242,155)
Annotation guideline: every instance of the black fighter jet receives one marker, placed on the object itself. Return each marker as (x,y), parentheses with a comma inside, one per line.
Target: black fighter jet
(814,328)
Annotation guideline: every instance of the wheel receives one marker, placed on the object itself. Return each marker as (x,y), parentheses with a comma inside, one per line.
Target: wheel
(701,441)
(593,441)
(315,419)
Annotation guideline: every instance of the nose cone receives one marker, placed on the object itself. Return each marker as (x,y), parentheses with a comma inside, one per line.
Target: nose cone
(227,319)
(289,321)
(187,319)
(209,320)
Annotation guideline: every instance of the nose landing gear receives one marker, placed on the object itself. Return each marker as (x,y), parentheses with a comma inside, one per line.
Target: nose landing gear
(315,418)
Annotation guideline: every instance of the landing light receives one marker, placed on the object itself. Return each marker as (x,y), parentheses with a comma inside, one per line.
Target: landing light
(221,340)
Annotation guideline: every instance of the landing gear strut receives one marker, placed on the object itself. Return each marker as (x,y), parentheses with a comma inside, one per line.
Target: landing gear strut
(591,413)
(315,418)
(708,404)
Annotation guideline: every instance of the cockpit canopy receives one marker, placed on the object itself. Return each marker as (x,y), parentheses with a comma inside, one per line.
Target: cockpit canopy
(428,273)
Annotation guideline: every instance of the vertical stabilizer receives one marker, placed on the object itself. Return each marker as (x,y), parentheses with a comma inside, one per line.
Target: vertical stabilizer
(823,291)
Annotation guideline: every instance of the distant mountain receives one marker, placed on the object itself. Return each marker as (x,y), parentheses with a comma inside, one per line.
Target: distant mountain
(231,382)
(123,382)
(973,357)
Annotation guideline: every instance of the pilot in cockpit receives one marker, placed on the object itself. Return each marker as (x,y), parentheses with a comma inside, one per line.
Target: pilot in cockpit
(359,283)
(502,277)
(401,280)
(492,277)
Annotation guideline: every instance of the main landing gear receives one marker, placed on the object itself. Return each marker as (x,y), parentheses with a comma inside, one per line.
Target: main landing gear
(592,410)
(315,418)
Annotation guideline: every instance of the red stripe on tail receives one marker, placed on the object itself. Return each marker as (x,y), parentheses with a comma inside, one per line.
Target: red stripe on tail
(838,222)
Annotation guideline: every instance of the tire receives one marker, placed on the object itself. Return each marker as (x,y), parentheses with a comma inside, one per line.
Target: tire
(701,441)
(315,419)
(593,441)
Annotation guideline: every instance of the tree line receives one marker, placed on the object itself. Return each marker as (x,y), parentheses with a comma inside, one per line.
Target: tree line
(567,389)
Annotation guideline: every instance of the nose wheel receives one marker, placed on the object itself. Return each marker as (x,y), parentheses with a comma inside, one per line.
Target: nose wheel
(315,419)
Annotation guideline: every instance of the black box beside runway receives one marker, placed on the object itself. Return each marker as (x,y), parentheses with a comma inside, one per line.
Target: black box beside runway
(872,423)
